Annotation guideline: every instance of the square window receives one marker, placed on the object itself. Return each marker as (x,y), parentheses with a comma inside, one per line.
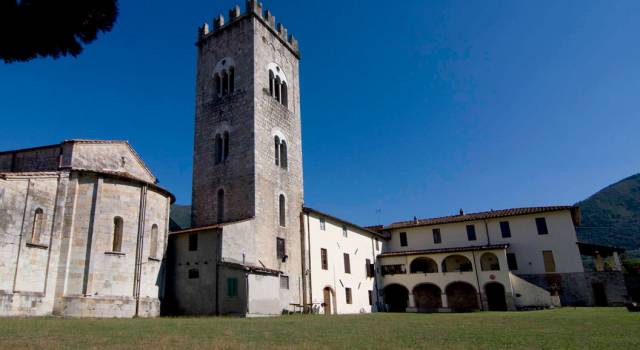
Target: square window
(471,232)
(324,259)
(370,270)
(512,262)
(437,239)
(347,263)
(344,231)
(284,282)
(505,229)
(194,274)
(403,239)
(193,242)
(280,248)
(232,287)
(541,225)
(323,224)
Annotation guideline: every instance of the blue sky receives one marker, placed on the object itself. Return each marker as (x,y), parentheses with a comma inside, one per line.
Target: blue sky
(408,108)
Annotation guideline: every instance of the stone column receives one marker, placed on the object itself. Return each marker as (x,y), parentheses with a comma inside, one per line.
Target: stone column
(598,262)
(616,261)
(412,304)
(445,302)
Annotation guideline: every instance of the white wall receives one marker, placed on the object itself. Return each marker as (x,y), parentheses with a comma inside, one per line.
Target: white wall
(360,245)
(524,241)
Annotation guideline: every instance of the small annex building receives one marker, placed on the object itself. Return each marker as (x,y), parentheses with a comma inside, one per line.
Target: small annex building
(83,227)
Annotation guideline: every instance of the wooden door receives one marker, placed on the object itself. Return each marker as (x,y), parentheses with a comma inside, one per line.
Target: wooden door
(327,301)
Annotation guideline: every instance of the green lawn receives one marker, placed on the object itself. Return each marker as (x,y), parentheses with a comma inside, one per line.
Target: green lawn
(596,328)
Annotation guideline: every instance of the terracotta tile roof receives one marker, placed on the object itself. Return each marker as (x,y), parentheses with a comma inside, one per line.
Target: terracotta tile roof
(446,250)
(208,228)
(251,268)
(575,213)
(345,222)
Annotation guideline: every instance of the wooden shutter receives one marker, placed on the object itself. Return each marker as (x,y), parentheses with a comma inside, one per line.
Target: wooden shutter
(324,259)
(347,263)
(549,262)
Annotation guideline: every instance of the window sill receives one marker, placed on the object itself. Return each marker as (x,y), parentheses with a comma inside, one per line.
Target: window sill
(154,259)
(115,253)
(37,246)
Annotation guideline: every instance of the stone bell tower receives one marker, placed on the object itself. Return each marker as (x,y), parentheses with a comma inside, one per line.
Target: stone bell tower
(248,154)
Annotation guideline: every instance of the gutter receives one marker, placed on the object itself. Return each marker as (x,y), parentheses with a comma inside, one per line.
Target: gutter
(139,248)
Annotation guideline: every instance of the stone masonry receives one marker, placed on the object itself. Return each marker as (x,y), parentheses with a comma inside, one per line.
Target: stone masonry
(58,206)
(250,45)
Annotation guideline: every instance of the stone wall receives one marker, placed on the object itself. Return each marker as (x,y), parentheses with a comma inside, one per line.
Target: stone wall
(273,118)
(192,296)
(71,268)
(215,115)
(576,289)
(111,156)
(30,160)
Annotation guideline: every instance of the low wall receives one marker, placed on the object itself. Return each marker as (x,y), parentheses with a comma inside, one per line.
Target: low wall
(24,304)
(576,289)
(528,294)
(107,307)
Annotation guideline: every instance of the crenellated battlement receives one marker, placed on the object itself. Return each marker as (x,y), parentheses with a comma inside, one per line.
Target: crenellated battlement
(254,8)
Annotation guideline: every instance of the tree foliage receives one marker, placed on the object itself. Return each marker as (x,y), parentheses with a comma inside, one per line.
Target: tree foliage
(51,28)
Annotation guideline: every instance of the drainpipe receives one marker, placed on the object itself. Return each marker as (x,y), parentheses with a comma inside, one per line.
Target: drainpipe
(218,262)
(302,281)
(475,268)
(139,248)
(486,230)
(309,268)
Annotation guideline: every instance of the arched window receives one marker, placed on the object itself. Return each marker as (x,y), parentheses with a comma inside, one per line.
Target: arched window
(423,265)
(38,226)
(277,148)
(489,262)
(220,204)
(283,155)
(456,263)
(225,142)
(277,88)
(218,149)
(283,210)
(218,84)
(232,78)
(153,241)
(271,83)
(225,83)
(284,93)
(117,234)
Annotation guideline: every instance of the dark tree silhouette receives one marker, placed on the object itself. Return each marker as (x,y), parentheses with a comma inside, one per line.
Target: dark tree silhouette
(51,28)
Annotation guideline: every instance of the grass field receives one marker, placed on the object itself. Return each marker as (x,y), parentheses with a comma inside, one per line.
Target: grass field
(596,328)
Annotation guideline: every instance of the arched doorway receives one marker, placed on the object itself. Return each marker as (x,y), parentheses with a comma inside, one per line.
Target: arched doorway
(328,300)
(496,300)
(396,298)
(423,265)
(461,296)
(428,297)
